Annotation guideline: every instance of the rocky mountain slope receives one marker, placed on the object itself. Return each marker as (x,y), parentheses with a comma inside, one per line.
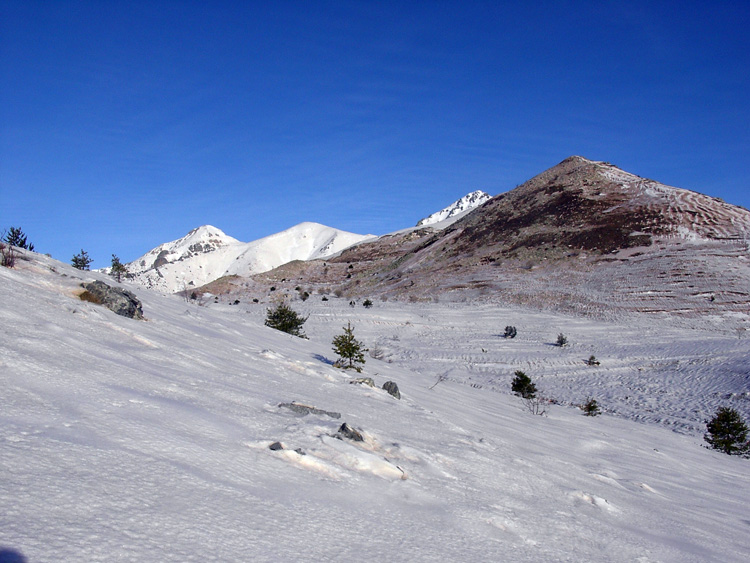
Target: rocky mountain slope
(583,236)
(206,254)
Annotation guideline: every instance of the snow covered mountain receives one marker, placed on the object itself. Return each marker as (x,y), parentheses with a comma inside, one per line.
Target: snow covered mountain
(126,440)
(206,254)
(457,209)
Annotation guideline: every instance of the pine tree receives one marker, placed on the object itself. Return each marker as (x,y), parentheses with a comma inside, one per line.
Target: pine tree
(728,432)
(285,319)
(118,269)
(16,237)
(81,261)
(522,386)
(349,348)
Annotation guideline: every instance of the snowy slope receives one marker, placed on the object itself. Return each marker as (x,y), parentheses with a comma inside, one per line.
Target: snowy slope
(149,440)
(457,208)
(206,254)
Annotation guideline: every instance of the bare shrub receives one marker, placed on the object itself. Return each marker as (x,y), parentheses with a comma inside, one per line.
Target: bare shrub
(8,255)
(535,405)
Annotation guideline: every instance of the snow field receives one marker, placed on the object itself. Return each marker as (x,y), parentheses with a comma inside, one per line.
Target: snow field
(127,440)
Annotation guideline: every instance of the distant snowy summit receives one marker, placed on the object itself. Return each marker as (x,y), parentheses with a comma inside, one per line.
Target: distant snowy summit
(206,254)
(466,203)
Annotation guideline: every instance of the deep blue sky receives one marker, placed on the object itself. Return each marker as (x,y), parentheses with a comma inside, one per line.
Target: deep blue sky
(124,124)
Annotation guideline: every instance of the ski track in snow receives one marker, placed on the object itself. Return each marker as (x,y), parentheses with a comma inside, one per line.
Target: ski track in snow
(125,440)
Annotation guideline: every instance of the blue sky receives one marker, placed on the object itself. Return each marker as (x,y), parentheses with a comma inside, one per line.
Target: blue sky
(124,124)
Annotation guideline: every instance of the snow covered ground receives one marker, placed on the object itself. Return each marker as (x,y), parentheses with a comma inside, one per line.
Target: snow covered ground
(127,440)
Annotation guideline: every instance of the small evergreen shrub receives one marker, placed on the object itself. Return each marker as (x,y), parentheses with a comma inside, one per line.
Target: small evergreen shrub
(562,340)
(727,432)
(367,303)
(522,386)
(118,269)
(285,319)
(82,261)
(349,349)
(592,361)
(590,407)
(16,237)
(510,332)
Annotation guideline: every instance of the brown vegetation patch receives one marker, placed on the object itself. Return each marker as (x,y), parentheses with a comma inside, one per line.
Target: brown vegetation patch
(90,297)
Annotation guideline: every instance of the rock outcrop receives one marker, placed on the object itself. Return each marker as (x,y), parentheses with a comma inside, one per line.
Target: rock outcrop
(120,301)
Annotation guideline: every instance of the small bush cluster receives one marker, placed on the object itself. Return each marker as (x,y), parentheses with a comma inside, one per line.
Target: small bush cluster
(524,388)
(510,332)
(9,241)
(590,407)
(592,361)
(562,340)
(7,255)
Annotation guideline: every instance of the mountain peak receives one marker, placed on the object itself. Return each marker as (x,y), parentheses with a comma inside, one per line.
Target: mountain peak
(458,207)
(207,253)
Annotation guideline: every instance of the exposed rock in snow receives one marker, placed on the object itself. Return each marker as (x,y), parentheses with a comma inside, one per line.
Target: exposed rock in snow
(120,301)
(304,410)
(392,388)
(350,433)
(363,381)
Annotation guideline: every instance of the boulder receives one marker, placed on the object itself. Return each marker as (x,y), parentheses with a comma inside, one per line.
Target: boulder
(121,301)
(392,388)
(347,431)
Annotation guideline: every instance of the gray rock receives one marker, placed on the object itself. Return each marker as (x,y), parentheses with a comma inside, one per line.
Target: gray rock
(347,431)
(392,388)
(118,300)
(299,408)
(276,446)
(364,381)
